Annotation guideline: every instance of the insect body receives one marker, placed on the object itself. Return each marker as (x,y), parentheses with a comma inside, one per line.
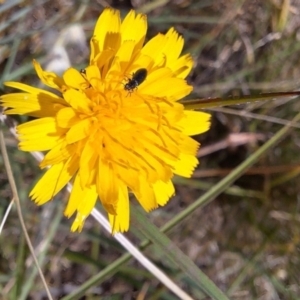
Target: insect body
(137,78)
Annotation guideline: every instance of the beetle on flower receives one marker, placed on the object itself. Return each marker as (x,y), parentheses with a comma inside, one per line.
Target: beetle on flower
(107,143)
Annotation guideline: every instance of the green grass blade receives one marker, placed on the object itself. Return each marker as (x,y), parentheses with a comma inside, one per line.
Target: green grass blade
(176,256)
(220,101)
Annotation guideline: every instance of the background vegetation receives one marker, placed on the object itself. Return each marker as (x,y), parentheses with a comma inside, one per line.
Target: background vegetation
(247,239)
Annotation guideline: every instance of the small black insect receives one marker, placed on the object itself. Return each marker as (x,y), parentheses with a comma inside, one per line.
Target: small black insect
(137,78)
(83,74)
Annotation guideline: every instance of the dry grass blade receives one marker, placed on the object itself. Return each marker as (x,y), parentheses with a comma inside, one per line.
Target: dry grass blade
(6,215)
(19,209)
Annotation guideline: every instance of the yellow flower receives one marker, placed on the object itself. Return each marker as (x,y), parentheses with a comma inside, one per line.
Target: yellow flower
(116,126)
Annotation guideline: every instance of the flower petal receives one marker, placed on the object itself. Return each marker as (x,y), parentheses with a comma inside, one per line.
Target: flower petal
(153,49)
(85,207)
(120,221)
(139,23)
(78,100)
(163,191)
(67,117)
(107,187)
(81,200)
(107,31)
(35,103)
(170,88)
(75,79)
(39,135)
(145,195)
(182,66)
(185,165)
(173,45)
(53,181)
(194,122)
(60,152)
(79,131)
(48,78)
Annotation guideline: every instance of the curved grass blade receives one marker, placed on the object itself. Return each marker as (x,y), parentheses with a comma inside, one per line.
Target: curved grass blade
(176,256)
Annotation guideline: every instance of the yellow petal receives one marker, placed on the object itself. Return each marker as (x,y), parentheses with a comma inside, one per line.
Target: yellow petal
(31,105)
(146,196)
(125,52)
(128,176)
(76,196)
(173,45)
(36,102)
(79,131)
(155,77)
(154,165)
(107,187)
(170,88)
(185,165)
(165,49)
(182,66)
(32,90)
(100,58)
(163,191)
(74,79)
(88,202)
(67,117)
(93,75)
(80,217)
(60,152)
(39,135)
(82,201)
(120,221)
(88,163)
(78,100)
(188,145)
(107,30)
(139,23)
(194,122)
(141,60)
(153,49)
(48,78)
(53,181)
